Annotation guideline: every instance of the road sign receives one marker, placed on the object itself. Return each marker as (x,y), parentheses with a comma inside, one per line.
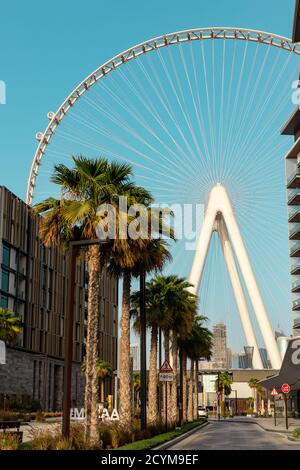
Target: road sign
(165,367)
(2,353)
(274,393)
(166,376)
(286,389)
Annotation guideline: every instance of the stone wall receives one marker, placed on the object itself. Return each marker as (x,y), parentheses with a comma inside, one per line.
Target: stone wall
(39,377)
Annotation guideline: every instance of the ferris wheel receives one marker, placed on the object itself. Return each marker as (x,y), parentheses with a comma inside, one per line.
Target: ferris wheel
(189,110)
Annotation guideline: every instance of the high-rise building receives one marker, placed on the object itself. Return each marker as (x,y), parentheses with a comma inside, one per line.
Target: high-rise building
(135,354)
(220,346)
(34,285)
(292,160)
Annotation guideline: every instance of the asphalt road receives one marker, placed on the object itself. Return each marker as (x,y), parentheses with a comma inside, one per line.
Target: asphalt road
(235,436)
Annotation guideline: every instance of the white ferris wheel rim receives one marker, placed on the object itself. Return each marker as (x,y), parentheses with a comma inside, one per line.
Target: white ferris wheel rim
(134,52)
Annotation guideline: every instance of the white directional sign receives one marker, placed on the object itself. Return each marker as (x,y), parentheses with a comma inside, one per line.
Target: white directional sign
(2,353)
(166,372)
(166,376)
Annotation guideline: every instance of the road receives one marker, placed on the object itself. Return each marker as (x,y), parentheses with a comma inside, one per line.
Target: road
(230,435)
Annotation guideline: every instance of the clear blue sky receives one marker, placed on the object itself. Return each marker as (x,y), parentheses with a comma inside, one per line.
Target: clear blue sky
(46,49)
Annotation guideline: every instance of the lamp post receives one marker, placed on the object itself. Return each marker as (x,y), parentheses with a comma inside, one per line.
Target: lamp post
(69,328)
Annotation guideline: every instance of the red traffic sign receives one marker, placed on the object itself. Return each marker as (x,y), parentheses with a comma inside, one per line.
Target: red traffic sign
(286,388)
(274,393)
(165,367)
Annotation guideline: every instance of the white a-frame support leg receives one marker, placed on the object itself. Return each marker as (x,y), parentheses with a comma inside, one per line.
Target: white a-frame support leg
(238,293)
(219,204)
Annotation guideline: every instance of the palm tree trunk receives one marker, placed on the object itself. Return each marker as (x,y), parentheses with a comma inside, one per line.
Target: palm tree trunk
(190,394)
(125,392)
(102,390)
(91,387)
(196,400)
(173,402)
(167,345)
(153,412)
(184,387)
(166,389)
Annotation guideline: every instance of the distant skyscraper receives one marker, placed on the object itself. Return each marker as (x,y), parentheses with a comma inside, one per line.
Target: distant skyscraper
(229,358)
(265,358)
(135,354)
(220,355)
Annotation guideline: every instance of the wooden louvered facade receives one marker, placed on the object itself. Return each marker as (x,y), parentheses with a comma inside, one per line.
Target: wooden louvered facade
(34,284)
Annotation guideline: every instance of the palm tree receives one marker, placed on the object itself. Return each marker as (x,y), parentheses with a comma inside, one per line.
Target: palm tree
(177,307)
(136,383)
(157,255)
(223,384)
(146,255)
(196,345)
(104,371)
(10,326)
(254,384)
(84,189)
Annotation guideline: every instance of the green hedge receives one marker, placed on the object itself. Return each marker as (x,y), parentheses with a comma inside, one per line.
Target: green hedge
(162,438)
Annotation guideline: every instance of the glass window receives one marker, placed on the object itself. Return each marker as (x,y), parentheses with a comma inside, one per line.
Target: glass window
(6,256)
(3,301)
(5,280)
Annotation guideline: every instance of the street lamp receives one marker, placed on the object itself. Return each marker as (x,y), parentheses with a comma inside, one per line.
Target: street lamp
(68,360)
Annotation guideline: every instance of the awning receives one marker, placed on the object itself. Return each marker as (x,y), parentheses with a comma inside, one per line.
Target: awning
(290,369)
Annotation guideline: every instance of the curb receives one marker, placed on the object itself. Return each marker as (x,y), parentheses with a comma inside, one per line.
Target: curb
(180,438)
(279,431)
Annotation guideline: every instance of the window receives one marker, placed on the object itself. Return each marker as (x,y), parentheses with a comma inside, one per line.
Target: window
(3,301)
(6,256)
(5,280)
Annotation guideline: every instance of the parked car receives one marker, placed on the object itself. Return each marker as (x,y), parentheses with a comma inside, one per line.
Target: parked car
(202,412)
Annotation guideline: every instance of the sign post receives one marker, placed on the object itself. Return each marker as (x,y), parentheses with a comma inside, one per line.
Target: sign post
(286,390)
(274,394)
(166,375)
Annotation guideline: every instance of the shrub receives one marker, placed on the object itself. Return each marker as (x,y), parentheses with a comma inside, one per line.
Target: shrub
(9,441)
(105,436)
(39,417)
(296,433)
(43,441)
(77,436)
(7,416)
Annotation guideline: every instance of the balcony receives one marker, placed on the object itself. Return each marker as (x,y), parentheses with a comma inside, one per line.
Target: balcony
(296,305)
(294,181)
(294,200)
(294,217)
(295,233)
(296,325)
(295,251)
(296,286)
(295,270)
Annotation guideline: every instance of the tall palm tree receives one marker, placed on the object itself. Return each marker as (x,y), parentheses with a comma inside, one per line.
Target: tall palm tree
(254,384)
(157,255)
(10,326)
(196,345)
(146,255)
(90,184)
(177,309)
(223,384)
(104,371)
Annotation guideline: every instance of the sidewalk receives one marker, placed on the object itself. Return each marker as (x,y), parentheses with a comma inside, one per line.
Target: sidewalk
(268,424)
